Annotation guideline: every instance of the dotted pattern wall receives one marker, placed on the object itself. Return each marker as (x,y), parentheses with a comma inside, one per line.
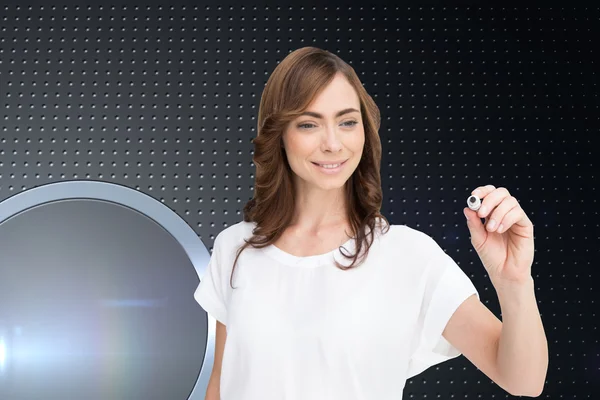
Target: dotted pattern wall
(163,98)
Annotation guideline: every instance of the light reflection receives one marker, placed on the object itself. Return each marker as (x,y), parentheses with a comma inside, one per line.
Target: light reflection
(2,353)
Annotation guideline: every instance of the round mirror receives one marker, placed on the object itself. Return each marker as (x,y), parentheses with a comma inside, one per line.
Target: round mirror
(96,302)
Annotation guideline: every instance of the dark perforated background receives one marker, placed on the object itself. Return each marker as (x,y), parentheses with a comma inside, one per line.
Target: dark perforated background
(163,97)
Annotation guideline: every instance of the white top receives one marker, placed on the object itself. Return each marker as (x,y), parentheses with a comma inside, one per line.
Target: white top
(299,328)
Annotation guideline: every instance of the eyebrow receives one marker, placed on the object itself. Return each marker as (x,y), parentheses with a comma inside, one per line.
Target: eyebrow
(339,113)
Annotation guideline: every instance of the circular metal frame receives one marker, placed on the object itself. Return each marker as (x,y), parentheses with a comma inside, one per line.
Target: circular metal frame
(138,201)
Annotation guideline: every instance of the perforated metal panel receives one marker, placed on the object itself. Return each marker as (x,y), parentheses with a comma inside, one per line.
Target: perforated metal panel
(162,98)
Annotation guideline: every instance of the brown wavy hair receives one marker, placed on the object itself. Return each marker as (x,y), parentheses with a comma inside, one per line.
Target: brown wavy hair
(292,86)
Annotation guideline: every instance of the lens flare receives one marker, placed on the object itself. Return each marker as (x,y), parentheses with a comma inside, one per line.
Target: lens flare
(2,353)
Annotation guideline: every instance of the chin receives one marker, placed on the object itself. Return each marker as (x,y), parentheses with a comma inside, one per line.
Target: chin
(333,184)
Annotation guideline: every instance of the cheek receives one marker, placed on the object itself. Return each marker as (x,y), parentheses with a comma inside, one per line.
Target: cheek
(301,147)
(357,142)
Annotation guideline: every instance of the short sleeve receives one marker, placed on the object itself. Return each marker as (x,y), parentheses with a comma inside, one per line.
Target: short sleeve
(446,288)
(212,293)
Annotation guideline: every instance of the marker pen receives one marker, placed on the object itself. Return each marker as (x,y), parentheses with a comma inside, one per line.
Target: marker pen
(474,202)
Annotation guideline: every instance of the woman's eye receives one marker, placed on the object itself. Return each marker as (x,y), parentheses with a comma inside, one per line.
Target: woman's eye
(353,123)
(301,126)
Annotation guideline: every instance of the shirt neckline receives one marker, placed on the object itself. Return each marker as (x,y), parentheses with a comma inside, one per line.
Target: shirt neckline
(311,261)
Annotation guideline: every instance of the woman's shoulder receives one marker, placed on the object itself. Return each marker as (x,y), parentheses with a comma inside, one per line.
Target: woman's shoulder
(402,236)
(236,233)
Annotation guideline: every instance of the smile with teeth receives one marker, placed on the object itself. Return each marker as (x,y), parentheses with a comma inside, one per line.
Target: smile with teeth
(329,166)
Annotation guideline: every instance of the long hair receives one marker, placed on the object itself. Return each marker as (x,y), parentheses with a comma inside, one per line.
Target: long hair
(292,86)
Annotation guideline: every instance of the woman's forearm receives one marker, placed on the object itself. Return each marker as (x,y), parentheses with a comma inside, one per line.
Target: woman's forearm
(523,347)
(213,391)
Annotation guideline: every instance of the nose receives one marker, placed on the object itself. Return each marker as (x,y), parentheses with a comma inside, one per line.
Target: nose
(331,142)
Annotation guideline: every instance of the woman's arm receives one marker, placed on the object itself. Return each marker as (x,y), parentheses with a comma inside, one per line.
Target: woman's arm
(213,391)
(523,347)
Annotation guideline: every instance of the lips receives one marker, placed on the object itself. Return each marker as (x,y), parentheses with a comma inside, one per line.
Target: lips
(329,162)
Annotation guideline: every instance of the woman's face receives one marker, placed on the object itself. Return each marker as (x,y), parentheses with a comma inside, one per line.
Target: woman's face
(323,135)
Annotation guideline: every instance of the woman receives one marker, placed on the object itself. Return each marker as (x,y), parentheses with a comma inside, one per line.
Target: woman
(317,296)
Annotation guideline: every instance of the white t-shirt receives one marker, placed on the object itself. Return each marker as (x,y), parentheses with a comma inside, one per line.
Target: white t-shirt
(299,328)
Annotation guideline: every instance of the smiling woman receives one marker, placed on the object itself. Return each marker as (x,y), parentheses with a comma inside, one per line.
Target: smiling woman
(317,144)
(330,300)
